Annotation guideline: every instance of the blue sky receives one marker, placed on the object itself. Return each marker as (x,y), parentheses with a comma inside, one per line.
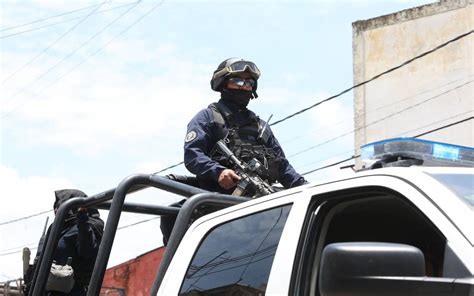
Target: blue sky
(98,98)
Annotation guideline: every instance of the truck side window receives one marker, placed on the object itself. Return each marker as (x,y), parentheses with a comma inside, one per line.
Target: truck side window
(235,258)
(371,214)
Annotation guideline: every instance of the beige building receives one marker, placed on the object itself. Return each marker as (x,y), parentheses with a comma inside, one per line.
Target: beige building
(432,92)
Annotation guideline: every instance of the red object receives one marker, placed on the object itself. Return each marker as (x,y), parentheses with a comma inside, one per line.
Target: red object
(134,277)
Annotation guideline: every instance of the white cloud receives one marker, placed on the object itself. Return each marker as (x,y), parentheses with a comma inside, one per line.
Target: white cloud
(23,196)
(103,105)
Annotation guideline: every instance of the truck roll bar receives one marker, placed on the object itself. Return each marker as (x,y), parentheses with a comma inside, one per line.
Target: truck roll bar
(182,223)
(130,184)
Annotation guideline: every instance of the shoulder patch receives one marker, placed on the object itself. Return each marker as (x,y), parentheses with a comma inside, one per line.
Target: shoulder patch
(190,136)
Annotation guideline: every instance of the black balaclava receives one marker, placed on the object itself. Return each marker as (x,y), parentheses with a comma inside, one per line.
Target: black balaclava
(237,97)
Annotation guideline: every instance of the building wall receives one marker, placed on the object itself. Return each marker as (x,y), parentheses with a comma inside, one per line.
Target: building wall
(134,277)
(429,93)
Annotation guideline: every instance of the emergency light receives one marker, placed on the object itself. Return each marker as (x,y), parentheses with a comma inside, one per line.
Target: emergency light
(411,151)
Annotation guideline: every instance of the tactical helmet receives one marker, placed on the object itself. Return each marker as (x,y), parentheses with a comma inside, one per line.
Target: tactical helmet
(233,66)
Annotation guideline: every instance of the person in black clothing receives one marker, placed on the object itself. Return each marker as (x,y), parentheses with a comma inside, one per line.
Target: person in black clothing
(79,240)
(246,135)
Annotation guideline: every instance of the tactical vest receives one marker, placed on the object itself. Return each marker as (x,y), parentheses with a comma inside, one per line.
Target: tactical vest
(244,141)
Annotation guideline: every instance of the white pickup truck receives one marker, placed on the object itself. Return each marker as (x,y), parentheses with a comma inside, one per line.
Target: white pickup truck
(393,230)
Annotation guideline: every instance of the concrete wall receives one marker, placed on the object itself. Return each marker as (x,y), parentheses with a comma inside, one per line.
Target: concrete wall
(431,92)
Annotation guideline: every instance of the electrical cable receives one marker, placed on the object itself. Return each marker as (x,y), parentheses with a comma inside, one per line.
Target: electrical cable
(54,42)
(433,123)
(399,135)
(16,252)
(24,218)
(139,222)
(304,174)
(332,97)
(18,247)
(170,167)
(443,127)
(371,111)
(382,119)
(417,136)
(375,77)
(47,18)
(104,45)
(65,21)
(361,84)
(8,252)
(64,59)
(6,114)
(314,170)
(330,165)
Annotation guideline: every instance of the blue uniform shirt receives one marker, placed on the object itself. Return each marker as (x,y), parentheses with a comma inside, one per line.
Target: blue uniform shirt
(202,134)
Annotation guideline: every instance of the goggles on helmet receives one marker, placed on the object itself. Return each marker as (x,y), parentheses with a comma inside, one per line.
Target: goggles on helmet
(238,67)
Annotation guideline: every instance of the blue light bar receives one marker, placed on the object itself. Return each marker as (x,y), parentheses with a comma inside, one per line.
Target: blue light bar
(428,153)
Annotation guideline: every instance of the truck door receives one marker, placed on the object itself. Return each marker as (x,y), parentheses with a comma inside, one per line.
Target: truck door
(230,253)
(374,214)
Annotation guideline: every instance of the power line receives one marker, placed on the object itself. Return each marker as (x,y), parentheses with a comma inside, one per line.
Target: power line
(16,252)
(352,131)
(65,21)
(371,111)
(92,54)
(103,46)
(19,247)
(24,218)
(26,245)
(65,58)
(313,170)
(306,164)
(54,16)
(443,127)
(375,77)
(52,44)
(330,165)
(381,119)
(332,97)
(436,122)
(304,174)
(417,136)
(167,168)
(363,83)
(139,222)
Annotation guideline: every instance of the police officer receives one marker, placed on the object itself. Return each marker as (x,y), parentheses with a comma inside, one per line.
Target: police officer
(79,240)
(246,135)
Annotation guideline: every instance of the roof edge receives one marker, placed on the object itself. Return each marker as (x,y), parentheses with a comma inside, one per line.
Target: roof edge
(409,14)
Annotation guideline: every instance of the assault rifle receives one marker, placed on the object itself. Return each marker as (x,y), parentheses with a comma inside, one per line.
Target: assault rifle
(248,172)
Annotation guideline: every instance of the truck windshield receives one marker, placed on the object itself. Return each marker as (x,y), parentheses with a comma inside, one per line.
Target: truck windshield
(461,184)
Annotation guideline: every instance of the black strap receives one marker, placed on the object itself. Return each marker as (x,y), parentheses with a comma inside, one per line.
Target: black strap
(216,114)
(222,115)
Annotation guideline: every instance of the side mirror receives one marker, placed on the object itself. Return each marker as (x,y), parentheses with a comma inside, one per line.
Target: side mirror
(362,268)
